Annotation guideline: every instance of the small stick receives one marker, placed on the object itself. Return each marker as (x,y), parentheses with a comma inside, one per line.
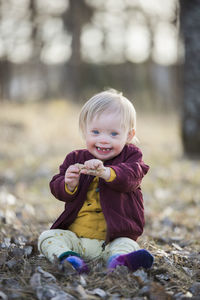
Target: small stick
(82,167)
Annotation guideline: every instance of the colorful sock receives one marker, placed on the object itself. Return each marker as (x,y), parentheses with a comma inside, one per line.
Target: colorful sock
(133,260)
(77,263)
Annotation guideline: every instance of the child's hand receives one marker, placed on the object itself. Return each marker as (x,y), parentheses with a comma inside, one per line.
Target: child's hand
(72,175)
(93,164)
(95,167)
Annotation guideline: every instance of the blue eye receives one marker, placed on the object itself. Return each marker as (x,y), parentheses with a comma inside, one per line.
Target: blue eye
(114,133)
(95,131)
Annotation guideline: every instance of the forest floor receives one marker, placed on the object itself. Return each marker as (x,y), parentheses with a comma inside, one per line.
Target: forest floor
(34,139)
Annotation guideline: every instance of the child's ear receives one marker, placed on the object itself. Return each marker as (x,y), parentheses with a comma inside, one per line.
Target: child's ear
(131,134)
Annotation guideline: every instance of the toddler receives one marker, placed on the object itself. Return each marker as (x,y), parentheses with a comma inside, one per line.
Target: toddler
(100,186)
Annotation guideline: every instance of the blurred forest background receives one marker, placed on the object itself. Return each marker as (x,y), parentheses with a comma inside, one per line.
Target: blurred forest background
(54,55)
(72,48)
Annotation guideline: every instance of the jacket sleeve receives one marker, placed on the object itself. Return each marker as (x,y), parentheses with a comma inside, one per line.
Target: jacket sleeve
(129,173)
(57,184)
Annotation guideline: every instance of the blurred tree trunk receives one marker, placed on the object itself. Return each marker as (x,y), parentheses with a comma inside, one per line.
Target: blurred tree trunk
(75,59)
(5,70)
(5,76)
(190,28)
(35,36)
(78,14)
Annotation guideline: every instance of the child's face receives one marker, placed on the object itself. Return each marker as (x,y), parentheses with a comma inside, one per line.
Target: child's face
(105,137)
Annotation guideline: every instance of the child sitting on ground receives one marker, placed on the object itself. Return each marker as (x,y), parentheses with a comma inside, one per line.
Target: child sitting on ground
(100,186)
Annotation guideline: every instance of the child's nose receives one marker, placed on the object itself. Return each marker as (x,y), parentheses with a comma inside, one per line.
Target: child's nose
(104,139)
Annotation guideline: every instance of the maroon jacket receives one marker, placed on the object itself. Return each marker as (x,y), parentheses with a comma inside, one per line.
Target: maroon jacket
(121,200)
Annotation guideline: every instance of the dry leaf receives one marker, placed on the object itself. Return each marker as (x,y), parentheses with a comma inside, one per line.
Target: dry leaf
(35,280)
(3,296)
(46,275)
(101,293)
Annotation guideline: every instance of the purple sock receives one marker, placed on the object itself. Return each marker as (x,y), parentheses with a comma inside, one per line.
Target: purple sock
(77,263)
(133,260)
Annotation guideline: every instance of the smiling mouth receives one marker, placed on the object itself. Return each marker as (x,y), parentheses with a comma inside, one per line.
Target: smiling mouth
(105,150)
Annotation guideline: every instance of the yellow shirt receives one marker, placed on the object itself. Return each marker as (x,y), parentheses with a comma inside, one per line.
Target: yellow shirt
(90,222)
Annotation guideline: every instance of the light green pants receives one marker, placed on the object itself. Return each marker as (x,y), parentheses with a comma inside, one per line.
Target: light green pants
(55,242)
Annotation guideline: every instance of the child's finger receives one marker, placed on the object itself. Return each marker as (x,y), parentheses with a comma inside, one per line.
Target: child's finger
(98,164)
(71,180)
(93,164)
(94,172)
(72,175)
(84,171)
(87,165)
(74,169)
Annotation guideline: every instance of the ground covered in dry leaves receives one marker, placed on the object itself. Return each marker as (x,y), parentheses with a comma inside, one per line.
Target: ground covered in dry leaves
(34,140)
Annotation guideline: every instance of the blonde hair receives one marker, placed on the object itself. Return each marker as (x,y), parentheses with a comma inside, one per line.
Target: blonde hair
(111,101)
